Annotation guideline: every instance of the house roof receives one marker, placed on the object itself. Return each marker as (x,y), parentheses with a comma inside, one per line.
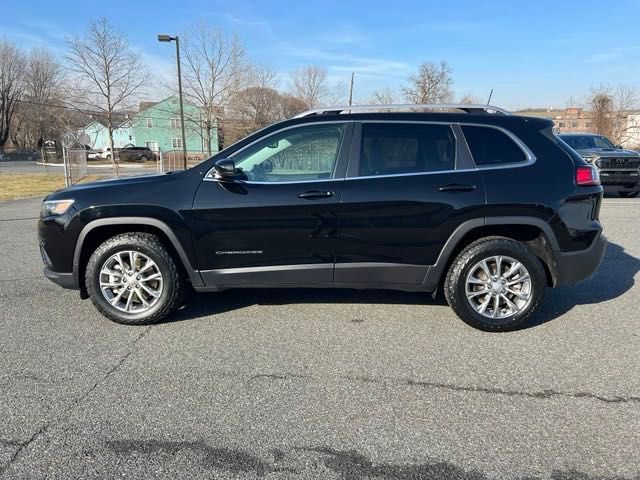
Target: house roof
(101,123)
(145,105)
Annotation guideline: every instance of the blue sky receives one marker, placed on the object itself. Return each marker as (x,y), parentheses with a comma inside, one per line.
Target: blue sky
(533,53)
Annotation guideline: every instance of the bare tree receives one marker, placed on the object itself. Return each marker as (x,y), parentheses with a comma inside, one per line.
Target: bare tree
(213,71)
(572,102)
(469,99)
(259,104)
(384,96)
(292,105)
(109,75)
(431,84)
(610,108)
(310,85)
(12,64)
(337,93)
(38,114)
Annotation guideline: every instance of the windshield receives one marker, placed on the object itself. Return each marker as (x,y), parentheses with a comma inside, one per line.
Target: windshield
(583,142)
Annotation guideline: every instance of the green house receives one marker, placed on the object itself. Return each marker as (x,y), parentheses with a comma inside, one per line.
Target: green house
(99,135)
(157,126)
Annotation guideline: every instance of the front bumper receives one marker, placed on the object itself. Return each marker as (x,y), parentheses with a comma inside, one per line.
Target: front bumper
(572,267)
(616,180)
(65,280)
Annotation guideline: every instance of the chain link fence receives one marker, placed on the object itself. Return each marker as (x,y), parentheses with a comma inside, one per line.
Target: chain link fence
(174,159)
(75,165)
(34,171)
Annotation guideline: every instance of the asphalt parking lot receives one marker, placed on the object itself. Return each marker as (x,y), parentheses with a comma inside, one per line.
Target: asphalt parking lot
(319,384)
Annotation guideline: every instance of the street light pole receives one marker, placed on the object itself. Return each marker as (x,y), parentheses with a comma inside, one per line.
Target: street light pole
(169,38)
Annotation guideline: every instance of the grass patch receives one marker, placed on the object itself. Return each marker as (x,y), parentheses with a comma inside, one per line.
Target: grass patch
(22,185)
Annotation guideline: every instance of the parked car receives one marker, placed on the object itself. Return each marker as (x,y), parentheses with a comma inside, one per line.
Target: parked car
(135,154)
(619,169)
(105,154)
(490,207)
(21,155)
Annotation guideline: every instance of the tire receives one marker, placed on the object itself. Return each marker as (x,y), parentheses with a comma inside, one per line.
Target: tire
(628,194)
(466,267)
(143,158)
(169,288)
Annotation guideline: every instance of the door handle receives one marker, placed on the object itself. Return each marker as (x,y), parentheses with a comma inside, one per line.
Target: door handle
(457,187)
(315,195)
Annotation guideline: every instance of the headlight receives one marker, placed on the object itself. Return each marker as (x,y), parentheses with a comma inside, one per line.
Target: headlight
(55,207)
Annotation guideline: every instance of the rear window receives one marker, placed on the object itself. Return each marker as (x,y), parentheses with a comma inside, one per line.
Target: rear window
(490,146)
(582,142)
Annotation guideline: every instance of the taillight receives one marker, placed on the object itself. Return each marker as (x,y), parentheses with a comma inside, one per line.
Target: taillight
(587,176)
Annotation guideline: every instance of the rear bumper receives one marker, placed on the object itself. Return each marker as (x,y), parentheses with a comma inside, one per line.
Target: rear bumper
(572,267)
(65,280)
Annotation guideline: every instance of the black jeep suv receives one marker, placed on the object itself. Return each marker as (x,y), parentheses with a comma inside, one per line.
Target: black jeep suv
(619,169)
(490,207)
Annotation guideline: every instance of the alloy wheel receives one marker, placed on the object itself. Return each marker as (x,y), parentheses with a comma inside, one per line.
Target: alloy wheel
(130,281)
(498,287)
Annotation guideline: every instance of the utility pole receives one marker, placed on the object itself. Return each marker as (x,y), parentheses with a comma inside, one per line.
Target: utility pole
(351,89)
(169,38)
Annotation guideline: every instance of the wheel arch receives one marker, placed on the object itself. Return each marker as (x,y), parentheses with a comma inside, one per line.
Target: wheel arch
(99,230)
(533,231)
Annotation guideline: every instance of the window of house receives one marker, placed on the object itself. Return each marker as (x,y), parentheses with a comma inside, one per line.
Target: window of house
(175,123)
(490,146)
(574,125)
(561,124)
(176,142)
(396,148)
(149,122)
(298,154)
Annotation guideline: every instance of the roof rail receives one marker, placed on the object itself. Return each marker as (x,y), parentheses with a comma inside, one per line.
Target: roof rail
(468,108)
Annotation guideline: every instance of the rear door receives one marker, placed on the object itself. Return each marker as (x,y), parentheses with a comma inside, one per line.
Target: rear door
(409,185)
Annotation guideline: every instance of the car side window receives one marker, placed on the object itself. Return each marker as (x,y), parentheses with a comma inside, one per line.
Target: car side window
(401,148)
(297,154)
(490,146)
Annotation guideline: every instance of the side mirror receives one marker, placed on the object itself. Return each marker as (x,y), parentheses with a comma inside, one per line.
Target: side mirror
(619,147)
(225,168)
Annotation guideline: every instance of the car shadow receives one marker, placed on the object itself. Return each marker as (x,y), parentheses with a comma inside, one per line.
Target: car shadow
(204,304)
(614,277)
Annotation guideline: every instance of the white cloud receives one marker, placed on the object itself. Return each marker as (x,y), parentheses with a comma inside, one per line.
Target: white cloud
(26,40)
(613,54)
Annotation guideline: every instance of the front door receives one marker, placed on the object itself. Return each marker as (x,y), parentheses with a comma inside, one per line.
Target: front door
(277,223)
(410,185)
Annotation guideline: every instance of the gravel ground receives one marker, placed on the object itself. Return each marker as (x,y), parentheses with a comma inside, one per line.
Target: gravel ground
(319,384)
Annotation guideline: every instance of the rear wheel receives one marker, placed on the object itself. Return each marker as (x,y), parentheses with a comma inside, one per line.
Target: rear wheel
(495,284)
(132,279)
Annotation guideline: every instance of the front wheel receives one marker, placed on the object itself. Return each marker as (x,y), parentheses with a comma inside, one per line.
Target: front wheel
(628,194)
(495,284)
(132,279)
